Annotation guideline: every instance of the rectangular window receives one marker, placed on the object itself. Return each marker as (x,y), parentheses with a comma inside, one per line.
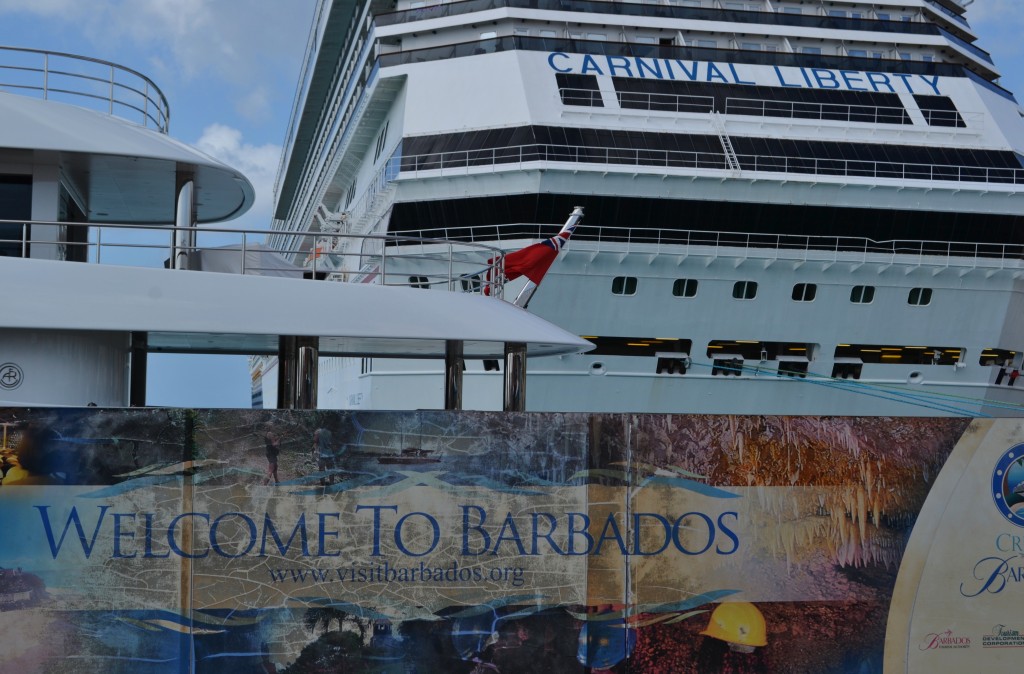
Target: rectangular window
(862,294)
(548,33)
(804,292)
(708,44)
(862,53)
(906,56)
(685,287)
(744,290)
(750,46)
(792,10)
(920,297)
(624,285)
(15,204)
(810,50)
(882,16)
(837,12)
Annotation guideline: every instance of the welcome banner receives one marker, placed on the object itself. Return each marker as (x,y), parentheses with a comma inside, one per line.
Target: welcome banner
(272,541)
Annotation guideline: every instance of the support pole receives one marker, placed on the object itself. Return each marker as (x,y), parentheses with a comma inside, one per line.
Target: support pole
(515,377)
(297,359)
(453,367)
(138,357)
(183,242)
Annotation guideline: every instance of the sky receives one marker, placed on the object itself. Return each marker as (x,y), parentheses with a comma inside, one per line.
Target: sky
(229,69)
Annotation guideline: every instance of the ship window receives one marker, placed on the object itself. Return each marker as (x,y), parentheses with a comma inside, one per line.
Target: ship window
(596,36)
(645,39)
(862,294)
(792,10)
(548,33)
(471,283)
(805,292)
(837,12)
(920,297)
(684,287)
(419,282)
(579,90)
(624,285)
(939,111)
(894,354)
(905,56)
(1001,357)
(381,141)
(750,46)
(15,204)
(862,53)
(882,16)
(744,290)
(663,347)
(488,35)
(708,44)
(810,50)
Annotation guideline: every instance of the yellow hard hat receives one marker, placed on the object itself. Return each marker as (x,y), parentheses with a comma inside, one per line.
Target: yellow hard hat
(737,623)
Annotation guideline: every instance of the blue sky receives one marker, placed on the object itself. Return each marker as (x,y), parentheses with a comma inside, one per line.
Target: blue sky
(229,69)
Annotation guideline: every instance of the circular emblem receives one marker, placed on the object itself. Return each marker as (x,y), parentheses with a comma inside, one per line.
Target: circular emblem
(11,376)
(1008,485)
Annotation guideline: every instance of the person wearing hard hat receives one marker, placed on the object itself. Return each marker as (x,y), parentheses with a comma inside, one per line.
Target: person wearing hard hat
(736,634)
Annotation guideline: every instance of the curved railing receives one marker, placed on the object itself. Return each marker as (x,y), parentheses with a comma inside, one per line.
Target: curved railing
(86,82)
(379,259)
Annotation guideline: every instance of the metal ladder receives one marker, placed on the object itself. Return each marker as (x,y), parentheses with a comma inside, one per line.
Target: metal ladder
(718,124)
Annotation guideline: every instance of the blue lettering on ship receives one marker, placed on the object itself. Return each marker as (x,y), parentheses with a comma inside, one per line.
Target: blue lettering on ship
(638,67)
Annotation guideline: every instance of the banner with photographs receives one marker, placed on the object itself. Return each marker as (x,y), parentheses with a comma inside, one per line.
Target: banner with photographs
(262,541)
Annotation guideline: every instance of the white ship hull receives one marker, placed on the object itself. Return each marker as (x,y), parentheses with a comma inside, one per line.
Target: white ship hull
(785,213)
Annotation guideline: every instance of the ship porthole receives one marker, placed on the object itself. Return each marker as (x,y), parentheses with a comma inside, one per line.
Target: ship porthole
(915,378)
(597,368)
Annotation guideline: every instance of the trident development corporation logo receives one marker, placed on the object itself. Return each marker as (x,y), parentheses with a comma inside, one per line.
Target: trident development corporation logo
(11,376)
(1008,485)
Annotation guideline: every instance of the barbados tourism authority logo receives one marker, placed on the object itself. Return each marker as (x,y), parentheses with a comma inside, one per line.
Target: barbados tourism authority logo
(943,640)
(1008,485)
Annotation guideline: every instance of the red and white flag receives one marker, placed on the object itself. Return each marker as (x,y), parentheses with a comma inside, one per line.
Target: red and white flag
(535,260)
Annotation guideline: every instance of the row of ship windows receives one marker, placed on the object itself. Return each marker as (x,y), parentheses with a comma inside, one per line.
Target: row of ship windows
(746,45)
(761,7)
(747,290)
(737,357)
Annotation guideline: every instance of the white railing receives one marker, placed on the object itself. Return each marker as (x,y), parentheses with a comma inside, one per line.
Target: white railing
(85,82)
(594,238)
(381,259)
(500,158)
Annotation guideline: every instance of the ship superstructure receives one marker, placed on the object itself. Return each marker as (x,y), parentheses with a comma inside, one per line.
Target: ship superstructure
(792,207)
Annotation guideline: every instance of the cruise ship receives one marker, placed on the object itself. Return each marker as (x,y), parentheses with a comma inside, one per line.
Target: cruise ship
(791,207)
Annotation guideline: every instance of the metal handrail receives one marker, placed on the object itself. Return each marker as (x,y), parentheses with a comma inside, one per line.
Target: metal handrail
(422,261)
(751,244)
(685,159)
(87,82)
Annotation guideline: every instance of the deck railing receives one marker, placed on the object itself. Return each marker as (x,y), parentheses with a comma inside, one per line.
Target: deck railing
(518,155)
(755,245)
(86,82)
(382,259)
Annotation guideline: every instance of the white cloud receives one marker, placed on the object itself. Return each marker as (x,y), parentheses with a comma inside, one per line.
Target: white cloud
(257,163)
